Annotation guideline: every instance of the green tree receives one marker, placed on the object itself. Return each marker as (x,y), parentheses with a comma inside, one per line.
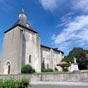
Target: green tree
(80,54)
(67,59)
(86,51)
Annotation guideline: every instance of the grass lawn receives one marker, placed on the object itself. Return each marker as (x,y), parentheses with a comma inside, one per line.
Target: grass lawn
(52,72)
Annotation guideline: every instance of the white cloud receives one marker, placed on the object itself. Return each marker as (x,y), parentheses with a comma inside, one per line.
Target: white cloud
(50,4)
(65,19)
(81,5)
(75,34)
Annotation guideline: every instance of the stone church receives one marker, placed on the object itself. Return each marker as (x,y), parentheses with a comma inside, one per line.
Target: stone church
(21,45)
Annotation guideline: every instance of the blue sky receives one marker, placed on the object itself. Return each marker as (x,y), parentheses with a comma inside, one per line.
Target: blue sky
(60,23)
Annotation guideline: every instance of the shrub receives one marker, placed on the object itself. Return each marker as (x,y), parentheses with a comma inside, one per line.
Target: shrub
(24,82)
(11,83)
(47,70)
(27,69)
(56,69)
(65,67)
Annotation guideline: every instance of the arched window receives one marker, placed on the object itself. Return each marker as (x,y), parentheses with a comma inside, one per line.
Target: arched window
(8,65)
(29,58)
(47,66)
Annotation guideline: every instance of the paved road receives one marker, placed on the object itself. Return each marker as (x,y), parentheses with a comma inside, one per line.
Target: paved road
(58,85)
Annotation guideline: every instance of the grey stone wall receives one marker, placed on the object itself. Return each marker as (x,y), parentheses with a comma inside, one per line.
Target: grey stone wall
(11,51)
(66,77)
(50,57)
(18,44)
(32,47)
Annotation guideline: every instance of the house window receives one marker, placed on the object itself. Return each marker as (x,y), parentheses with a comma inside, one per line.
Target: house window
(29,58)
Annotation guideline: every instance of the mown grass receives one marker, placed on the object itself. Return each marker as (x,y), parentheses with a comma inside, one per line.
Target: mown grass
(57,72)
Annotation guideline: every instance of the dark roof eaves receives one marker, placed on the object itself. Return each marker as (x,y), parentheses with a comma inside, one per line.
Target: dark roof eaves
(21,26)
(45,46)
(52,48)
(58,51)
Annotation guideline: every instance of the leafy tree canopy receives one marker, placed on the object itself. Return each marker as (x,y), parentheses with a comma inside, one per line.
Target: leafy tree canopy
(67,59)
(79,53)
(86,51)
(81,57)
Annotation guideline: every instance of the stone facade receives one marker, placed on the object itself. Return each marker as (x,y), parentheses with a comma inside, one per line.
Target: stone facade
(21,45)
(12,51)
(51,57)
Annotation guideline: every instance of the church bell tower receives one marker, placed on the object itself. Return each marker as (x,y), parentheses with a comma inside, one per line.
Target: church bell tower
(21,45)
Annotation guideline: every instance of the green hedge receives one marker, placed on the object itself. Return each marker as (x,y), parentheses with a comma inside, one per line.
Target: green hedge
(12,83)
(47,70)
(27,69)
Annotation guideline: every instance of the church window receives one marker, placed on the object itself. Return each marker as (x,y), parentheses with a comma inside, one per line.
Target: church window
(29,58)
(47,66)
(30,36)
(8,66)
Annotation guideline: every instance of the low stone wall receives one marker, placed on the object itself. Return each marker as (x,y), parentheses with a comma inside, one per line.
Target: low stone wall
(67,77)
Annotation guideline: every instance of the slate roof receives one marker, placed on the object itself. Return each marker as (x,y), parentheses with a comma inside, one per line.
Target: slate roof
(20,26)
(55,49)
(22,22)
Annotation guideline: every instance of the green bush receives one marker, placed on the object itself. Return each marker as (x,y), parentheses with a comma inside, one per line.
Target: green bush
(24,82)
(11,83)
(65,67)
(47,70)
(27,69)
(56,69)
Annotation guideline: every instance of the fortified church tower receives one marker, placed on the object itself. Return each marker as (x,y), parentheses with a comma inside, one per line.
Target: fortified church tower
(21,46)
